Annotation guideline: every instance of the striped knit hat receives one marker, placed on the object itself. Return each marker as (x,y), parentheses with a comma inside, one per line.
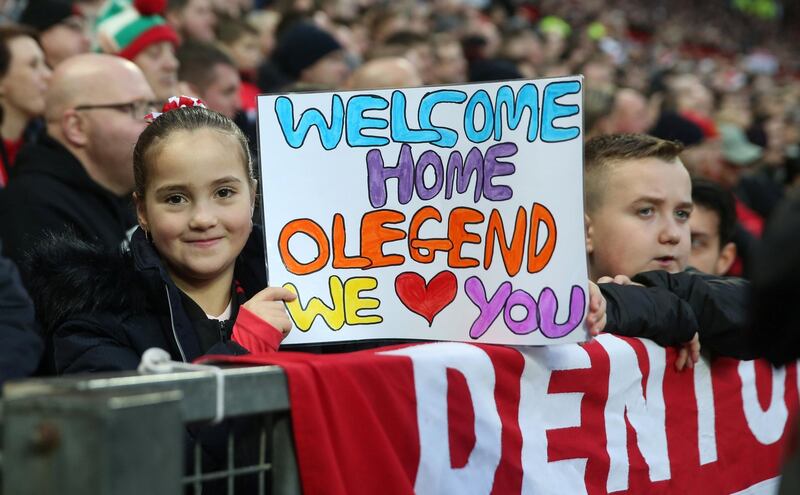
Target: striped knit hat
(126,29)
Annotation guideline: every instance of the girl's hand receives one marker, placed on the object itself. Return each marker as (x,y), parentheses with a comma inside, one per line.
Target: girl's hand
(596,319)
(268,305)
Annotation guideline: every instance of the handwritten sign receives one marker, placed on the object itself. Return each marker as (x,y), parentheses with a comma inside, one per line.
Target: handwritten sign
(450,213)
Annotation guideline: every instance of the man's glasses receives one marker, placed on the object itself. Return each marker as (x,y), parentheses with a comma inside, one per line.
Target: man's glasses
(136,109)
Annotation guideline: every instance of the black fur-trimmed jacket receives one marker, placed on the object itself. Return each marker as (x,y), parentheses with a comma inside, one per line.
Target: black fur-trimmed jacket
(101,310)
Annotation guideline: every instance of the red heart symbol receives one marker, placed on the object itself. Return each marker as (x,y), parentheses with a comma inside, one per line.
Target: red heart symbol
(426,300)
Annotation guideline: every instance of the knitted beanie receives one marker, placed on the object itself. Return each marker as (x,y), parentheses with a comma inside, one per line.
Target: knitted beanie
(44,14)
(301,45)
(126,29)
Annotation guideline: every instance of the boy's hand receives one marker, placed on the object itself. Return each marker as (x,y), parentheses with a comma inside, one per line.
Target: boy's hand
(596,319)
(619,280)
(268,305)
(688,354)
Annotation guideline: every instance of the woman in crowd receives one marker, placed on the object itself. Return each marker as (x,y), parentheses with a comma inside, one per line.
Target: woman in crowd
(24,77)
(193,281)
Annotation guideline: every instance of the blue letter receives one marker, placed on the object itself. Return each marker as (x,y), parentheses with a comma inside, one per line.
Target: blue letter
(400,131)
(552,111)
(528,97)
(449,137)
(357,122)
(479,98)
(295,137)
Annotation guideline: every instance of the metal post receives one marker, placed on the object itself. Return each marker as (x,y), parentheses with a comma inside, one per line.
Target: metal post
(285,479)
(78,443)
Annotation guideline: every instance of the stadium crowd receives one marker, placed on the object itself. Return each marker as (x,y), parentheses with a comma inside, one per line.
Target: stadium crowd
(704,97)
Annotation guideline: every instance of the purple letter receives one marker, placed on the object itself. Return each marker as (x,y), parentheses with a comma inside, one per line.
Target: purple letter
(461,173)
(377,175)
(490,309)
(548,306)
(495,168)
(428,159)
(531,321)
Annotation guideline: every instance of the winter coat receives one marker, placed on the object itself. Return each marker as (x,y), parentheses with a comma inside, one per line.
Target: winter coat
(102,309)
(51,191)
(776,324)
(671,307)
(20,345)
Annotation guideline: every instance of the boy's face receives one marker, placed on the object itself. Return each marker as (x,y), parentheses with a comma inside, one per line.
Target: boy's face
(642,221)
(707,254)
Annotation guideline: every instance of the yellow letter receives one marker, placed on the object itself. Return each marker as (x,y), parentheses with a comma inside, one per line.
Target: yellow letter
(354,303)
(333,315)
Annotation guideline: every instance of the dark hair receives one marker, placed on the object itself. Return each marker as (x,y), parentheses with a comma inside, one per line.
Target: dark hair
(196,63)
(230,30)
(174,5)
(712,196)
(7,33)
(183,119)
(602,152)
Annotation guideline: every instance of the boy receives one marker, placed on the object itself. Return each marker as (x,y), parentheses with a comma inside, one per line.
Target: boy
(638,201)
(713,224)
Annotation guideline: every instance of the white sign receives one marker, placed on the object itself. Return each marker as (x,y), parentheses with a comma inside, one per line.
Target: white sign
(442,213)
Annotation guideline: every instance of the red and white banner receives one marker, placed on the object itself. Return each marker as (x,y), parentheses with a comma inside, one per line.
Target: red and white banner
(608,416)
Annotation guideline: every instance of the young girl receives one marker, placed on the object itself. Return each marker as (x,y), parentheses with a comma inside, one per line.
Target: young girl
(192,281)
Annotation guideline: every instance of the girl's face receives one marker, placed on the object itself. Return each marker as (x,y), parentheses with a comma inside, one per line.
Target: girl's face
(25,83)
(197,205)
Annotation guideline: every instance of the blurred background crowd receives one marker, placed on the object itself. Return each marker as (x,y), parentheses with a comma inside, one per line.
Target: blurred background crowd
(721,76)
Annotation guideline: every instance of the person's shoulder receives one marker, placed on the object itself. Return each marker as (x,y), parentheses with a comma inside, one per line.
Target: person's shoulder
(68,276)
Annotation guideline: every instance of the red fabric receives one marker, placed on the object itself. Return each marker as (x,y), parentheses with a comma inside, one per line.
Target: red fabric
(248,92)
(357,421)
(707,125)
(255,334)
(12,148)
(750,220)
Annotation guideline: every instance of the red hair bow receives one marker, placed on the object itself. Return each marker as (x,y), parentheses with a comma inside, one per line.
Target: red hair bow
(174,103)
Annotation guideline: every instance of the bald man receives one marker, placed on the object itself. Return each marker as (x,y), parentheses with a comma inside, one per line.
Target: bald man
(385,72)
(79,175)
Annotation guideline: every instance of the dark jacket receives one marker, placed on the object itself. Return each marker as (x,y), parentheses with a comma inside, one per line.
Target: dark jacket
(103,309)
(20,344)
(674,305)
(720,304)
(51,191)
(776,319)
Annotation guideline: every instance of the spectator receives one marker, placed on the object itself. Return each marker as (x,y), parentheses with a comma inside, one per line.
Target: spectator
(193,19)
(192,281)
(637,204)
(24,77)
(449,64)
(386,72)
(78,176)
(311,56)
(145,38)
(713,225)
(62,29)
(240,41)
(208,73)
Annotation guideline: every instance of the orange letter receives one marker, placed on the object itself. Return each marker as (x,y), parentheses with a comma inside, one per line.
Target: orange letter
(512,255)
(374,235)
(417,245)
(339,241)
(315,232)
(537,261)
(458,234)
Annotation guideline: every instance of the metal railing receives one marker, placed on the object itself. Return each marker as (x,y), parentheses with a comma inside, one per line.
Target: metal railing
(144,434)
